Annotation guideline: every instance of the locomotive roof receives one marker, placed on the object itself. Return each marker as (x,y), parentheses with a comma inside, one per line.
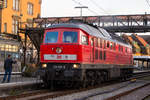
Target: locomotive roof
(91,30)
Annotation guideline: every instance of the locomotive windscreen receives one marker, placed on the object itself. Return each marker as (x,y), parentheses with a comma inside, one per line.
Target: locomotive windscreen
(70,37)
(51,37)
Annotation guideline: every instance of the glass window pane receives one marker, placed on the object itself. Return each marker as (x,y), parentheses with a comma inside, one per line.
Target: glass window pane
(5,27)
(5,3)
(51,37)
(17,5)
(84,40)
(28,8)
(14,3)
(70,37)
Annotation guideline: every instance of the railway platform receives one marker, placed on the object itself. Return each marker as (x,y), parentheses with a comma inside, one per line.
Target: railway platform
(13,73)
(141,70)
(17,80)
(16,77)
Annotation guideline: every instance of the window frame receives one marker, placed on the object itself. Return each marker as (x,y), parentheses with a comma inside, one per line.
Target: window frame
(46,36)
(101,55)
(70,31)
(108,44)
(96,42)
(15,23)
(111,45)
(104,44)
(5,27)
(16,5)
(86,42)
(96,54)
(5,3)
(30,8)
(114,46)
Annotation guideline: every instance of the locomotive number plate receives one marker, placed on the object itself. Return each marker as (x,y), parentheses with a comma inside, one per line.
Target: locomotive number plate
(68,73)
(59,57)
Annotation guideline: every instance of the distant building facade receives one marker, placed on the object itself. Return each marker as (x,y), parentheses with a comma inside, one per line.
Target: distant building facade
(15,13)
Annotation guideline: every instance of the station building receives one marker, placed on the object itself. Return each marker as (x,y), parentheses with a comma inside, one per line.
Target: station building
(13,15)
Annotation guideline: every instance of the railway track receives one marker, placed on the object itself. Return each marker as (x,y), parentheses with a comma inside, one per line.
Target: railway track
(46,94)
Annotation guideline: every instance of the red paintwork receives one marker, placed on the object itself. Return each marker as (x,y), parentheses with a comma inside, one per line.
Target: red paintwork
(84,52)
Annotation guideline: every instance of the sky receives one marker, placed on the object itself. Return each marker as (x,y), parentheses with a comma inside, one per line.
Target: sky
(65,8)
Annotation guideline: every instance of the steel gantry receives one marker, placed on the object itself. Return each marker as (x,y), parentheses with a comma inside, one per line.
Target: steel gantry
(112,23)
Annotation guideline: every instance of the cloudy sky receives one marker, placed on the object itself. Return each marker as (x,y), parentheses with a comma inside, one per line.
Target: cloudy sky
(59,8)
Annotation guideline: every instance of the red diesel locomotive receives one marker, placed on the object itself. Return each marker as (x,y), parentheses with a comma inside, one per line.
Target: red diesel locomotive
(74,53)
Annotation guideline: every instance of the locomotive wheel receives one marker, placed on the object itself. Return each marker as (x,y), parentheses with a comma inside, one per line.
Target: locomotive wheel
(84,82)
(105,76)
(77,84)
(91,78)
(69,84)
(98,78)
(45,81)
(47,84)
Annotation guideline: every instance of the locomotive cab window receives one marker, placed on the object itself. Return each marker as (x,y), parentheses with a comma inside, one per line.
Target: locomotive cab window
(70,37)
(84,40)
(51,37)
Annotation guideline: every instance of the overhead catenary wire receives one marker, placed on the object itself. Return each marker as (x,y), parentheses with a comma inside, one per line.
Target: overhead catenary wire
(98,6)
(77,2)
(82,5)
(147,1)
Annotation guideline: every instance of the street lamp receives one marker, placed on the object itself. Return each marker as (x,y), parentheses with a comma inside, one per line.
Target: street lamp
(81,7)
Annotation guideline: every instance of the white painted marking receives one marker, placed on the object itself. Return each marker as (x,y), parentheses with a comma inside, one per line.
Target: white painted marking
(59,57)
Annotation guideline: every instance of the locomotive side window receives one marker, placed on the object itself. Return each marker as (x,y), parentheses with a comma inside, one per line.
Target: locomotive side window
(84,40)
(96,54)
(111,45)
(51,37)
(119,48)
(126,49)
(104,55)
(96,42)
(70,37)
(107,44)
(100,55)
(100,43)
(122,48)
(114,46)
(104,44)
(92,42)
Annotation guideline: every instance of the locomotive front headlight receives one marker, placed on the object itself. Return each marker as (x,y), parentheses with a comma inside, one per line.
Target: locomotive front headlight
(58,50)
(44,65)
(76,66)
